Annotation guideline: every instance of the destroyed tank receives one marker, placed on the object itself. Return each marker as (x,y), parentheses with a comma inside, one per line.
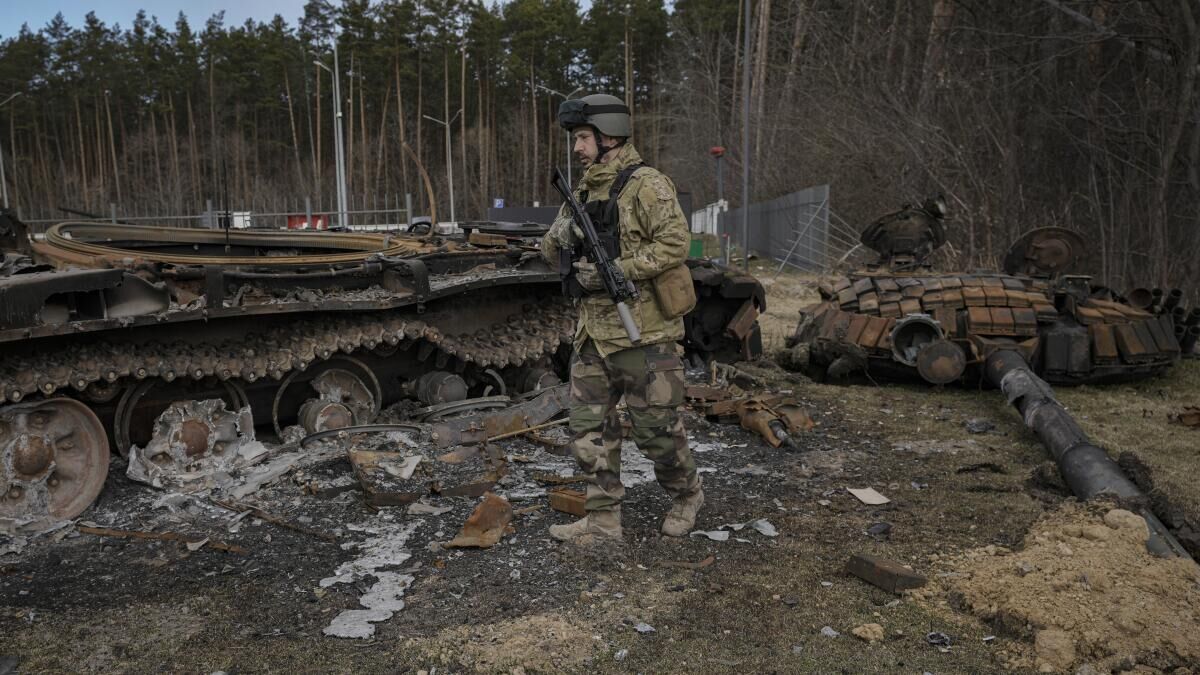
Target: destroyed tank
(104,327)
(1038,322)
(898,318)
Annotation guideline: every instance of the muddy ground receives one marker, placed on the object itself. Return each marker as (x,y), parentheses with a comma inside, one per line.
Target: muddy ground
(71,602)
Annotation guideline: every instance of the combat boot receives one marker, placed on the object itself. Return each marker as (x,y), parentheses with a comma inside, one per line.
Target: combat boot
(595,525)
(682,516)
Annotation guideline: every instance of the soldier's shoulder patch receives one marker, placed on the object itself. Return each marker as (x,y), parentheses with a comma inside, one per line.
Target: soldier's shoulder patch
(662,187)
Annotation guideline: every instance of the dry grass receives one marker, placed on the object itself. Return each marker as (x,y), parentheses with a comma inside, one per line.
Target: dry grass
(787,293)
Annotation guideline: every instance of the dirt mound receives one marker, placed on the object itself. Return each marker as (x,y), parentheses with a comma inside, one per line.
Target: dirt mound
(1086,590)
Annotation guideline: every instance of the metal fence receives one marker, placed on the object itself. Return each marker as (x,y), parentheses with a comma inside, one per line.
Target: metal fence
(376,213)
(799,230)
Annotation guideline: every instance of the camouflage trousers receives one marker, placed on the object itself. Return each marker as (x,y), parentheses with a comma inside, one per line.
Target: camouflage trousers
(650,378)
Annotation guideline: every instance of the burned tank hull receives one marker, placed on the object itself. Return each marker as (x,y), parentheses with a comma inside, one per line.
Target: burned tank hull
(939,327)
(103,327)
(898,318)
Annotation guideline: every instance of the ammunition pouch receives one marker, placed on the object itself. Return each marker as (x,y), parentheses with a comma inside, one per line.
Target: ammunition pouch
(675,293)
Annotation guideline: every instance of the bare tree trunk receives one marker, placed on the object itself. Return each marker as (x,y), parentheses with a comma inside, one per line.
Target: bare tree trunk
(534,117)
(1186,83)
(12,150)
(787,94)
(401,124)
(462,111)
(420,112)
(124,136)
(934,70)
(83,172)
(349,138)
(481,139)
(628,67)
(366,147)
(101,159)
(112,144)
(380,169)
(855,31)
(154,144)
(737,68)
(212,118)
(169,121)
(758,85)
(193,159)
(318,167)
(287,88)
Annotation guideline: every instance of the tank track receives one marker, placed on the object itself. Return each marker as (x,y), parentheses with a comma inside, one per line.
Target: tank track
(535,332)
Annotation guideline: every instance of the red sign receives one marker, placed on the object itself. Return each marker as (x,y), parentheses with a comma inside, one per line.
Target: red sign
(320,221)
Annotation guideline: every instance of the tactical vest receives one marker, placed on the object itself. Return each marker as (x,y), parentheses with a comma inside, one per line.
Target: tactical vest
(606,217)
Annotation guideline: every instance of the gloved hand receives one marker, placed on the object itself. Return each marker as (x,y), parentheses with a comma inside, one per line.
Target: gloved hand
(587,276)
(566,233)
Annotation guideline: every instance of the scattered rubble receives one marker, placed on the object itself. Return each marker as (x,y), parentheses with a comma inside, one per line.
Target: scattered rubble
(868,632)
(569,501)
(1189,416)
(486,525)
(722,533)
(889,575)
(868,496)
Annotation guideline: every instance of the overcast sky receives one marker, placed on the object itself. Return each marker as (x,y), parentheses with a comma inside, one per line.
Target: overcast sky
(13,13)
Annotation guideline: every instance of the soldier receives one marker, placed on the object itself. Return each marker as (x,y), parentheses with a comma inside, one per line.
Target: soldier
(637,216)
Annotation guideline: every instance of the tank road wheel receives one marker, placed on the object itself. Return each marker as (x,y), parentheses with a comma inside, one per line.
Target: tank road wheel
(53,459)
(141,404)
(340,392)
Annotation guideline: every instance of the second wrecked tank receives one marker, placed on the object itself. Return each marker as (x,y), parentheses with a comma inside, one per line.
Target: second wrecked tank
(1035,323)
(899,318)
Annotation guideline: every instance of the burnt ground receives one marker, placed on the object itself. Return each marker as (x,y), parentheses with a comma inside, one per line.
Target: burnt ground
(75,602)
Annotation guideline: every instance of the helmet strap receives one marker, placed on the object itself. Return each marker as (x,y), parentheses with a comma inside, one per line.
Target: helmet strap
(603,150)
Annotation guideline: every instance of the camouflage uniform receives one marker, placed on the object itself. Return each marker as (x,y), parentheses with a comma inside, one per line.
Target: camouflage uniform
(606,367)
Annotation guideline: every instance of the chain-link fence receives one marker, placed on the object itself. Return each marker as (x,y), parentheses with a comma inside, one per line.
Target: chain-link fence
(799,230)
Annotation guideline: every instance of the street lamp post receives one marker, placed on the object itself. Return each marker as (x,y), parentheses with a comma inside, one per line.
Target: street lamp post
(746,140)
(338,141)
(3,182)
(449,157)
(718,153)
(565,97)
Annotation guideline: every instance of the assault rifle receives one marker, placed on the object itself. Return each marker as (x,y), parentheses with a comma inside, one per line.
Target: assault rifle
(613,279)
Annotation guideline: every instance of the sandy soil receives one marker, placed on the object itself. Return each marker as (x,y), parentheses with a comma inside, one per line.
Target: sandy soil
(1083,586)
(75,603)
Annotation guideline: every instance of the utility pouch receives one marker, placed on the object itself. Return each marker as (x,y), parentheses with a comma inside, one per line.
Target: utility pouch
(675,292)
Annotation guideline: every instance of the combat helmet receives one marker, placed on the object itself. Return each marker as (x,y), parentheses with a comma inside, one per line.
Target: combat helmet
(606,113)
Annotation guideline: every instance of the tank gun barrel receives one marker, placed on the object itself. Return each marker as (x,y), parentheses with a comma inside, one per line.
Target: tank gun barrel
(1087,469)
